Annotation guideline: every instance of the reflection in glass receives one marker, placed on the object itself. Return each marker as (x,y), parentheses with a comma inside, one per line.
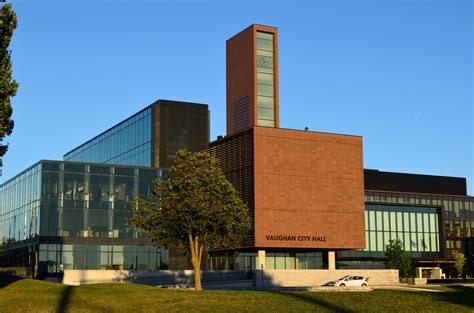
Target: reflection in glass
(120,144)
(266,123)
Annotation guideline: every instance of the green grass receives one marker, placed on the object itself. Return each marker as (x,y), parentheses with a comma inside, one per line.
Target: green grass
(28,295)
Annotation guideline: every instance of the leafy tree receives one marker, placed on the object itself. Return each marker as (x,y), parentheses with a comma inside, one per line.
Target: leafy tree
(398,258)
(8,85)
(196,208)
(459,261)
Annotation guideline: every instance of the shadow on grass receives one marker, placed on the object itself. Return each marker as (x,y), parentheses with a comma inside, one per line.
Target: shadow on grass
(7,279)
(462,295)
(65,300)
(313,300)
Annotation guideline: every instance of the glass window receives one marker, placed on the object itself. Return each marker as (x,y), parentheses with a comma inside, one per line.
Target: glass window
(265,102)
(399,221)
(372,220)
(414,242)
(393,221)
(267,114)
(419,220)
(379,224)
(407,242)
(280,260)
(426,240)
(412,221)
(367,240)
(421,242)
(373,241)
(264,44)
(289,262)
(263,35)
(265,90)
(413,226)
(265,79)
(266,123)
(380,241)
(266,70)
(270,261)
(426,227)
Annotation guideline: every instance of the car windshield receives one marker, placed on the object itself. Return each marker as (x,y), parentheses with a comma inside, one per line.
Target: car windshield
(342,278)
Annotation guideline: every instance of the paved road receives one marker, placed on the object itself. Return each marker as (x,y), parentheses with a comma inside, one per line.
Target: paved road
(407,288)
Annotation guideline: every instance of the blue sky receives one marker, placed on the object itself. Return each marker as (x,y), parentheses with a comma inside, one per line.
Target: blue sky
(398,73)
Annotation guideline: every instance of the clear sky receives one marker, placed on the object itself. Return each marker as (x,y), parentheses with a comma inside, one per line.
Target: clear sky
(398,73)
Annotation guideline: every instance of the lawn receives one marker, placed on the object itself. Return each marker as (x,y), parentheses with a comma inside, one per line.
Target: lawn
(28,295)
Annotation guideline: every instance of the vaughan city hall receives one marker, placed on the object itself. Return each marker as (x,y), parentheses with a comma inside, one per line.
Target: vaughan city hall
(312,203)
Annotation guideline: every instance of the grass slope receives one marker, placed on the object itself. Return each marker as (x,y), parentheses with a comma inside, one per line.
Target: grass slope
(28,295)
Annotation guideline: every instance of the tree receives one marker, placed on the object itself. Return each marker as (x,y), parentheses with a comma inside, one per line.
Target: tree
(196,208)
(8,85)
(459,261)
(398,258)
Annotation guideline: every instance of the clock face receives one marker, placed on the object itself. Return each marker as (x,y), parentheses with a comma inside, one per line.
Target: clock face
(263,61)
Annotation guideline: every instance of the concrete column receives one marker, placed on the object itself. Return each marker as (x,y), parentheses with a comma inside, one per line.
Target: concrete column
(261,260)
(331,260)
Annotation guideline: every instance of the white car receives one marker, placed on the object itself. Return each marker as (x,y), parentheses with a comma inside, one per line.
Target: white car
(349,281)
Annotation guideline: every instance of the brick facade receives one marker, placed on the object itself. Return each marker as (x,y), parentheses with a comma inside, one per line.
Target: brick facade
(307,185)
(241,78)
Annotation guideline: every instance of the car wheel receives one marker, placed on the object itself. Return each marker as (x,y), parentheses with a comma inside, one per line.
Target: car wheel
(364,284)
(342,285)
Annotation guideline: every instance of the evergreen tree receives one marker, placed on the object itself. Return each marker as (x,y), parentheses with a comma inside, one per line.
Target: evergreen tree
(8,85)
(197,208)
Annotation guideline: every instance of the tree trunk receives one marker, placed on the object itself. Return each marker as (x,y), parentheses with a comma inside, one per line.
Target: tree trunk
(196,254)
(197,278)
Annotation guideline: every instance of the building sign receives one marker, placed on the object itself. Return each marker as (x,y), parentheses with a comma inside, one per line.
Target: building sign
(295,238)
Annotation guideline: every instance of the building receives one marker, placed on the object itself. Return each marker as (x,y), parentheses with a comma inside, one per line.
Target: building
(76,214)
(308,194)
(312,204)
(469,252)
(150,137)
(252,79)
(292,182)
(431,215)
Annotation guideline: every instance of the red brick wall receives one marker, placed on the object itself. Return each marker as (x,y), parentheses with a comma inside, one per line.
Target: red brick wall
(241,73)
(308,184)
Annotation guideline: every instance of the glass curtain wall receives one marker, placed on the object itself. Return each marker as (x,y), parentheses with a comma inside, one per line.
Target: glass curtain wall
(19,207)
(128,143)
(293,260)
(105,257)
(248,261)
(87,204)
(416,227)
(265,80)
(80,200)
(458,213)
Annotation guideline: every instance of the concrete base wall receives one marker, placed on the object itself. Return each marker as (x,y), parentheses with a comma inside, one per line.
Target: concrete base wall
(183,277)
(297,278)
(81,277)
(270,278)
